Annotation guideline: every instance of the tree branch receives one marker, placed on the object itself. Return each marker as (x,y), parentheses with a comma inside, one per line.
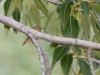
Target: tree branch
(39,53)
(46,61)
(84,57)
(39,35)
(90,61)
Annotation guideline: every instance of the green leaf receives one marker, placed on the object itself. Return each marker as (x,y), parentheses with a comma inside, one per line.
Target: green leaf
(96,53)
(64,11)
(7,28)
(6,7)
(66,62)
(58,53)
(69,0)
(35,14)
(84,23)
(52,23)
(96,7)
(85,68)
(95,64)
(95,19)
(78,51)
(41,6)
(24,18)
(16,16)
(13,5)
(95,29)
(44,2)
(53,45)
(79,18)
(62,29)
(21,7)
(29,16)
(72,28)
(85,8)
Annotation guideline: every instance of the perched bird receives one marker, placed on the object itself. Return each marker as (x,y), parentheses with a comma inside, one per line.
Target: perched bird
(37,28)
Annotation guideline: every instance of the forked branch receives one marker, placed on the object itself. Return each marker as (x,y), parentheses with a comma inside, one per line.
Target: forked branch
(39,35)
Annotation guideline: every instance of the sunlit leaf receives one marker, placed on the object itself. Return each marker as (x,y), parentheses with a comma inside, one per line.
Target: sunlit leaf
(85,68)
(51,23)
(44,2)
(41,6)
(79,18)
(66,62)
(13,5)
(46,21)
(95,19)
(58,53)
(51,7)
(16,16)
(96,7)
(72,28)
(21,7)
(95,29)
(29,17)
(84,23)
(64,11)
(24,18)
(35,14)
(85,8)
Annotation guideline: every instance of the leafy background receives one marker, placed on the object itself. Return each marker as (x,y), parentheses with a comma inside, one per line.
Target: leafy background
(16,59)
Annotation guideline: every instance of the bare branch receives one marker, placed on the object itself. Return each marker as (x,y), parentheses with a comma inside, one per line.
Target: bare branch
(95,60)
(39,35)
(45,56)
(90,61)
(46,61)
(84,57)
(39,53)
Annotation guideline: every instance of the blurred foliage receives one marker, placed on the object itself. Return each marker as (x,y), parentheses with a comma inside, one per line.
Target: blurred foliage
(73,18)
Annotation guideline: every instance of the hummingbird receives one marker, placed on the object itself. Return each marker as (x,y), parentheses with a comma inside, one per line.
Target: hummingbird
(37,28)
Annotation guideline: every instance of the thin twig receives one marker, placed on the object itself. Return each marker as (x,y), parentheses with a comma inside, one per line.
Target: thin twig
(90,61)
(98,61)
(39,53)
(84,57)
